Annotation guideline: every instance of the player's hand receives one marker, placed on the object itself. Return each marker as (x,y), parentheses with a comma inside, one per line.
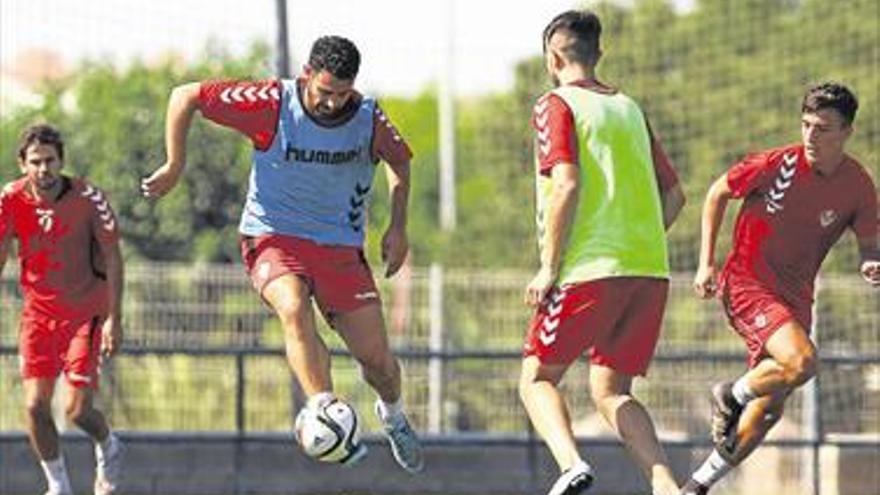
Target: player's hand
(871,272)
(161,181)
(111,336)
(395,247)
(538,288)
(705,282)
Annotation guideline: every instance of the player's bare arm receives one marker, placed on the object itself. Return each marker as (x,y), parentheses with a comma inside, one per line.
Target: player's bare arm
(111,335)
(673,200)
(566,184)
(395,244)
(705,283)
(181,107)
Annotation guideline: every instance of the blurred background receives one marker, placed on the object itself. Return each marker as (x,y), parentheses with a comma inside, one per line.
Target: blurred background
(202,392)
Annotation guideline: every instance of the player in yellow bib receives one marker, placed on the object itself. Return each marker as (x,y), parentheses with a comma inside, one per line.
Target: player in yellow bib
(606,193)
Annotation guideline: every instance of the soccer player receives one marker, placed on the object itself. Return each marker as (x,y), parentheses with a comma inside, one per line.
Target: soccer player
(317,142)
(71,279)
(797,202)
(606,192)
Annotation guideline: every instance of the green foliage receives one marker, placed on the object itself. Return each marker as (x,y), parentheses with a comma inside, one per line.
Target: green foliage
(716,82)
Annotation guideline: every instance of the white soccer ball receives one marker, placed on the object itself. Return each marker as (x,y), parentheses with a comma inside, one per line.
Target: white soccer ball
(330,433)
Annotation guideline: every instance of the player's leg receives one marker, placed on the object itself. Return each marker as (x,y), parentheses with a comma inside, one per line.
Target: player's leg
(612,393)
(40,366)
(757,419)
(43,435)
(791,361)
(548,410)
(81,363)
(307,355)
(348,297)
(623,353)
(563,327)
(364,333)
(280,268)
(549,414)
(794,362)
(363,330)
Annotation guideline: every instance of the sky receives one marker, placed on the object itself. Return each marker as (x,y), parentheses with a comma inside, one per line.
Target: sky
(401,41)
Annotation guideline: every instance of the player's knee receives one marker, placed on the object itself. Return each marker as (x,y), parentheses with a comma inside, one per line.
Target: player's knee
(802,368)
(39,408)
(76,411)
(293,317)
(528,378)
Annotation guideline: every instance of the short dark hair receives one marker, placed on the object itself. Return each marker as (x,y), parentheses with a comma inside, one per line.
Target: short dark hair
(831,95)
(336,55)
(585,29)
(40,134)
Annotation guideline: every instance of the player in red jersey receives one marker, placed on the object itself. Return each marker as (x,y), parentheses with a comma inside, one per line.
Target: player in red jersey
(797,202)
(71,278)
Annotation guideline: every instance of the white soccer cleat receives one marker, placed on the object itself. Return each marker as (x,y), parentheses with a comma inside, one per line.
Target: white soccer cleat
(574,481)
(404,443)
(108,469)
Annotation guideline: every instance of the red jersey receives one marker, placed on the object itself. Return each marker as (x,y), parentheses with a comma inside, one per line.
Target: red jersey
(791,216)
(252,108)
(557,141)
(61,268)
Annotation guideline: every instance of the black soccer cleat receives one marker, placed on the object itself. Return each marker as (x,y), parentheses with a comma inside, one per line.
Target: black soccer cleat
(725,417)
(694,488)
(575,481)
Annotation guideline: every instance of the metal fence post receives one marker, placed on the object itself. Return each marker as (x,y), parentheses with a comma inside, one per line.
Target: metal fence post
(812,412)
(239,420)
(435,364)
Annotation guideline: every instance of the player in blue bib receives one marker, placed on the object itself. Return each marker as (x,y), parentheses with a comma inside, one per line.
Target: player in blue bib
(317,142)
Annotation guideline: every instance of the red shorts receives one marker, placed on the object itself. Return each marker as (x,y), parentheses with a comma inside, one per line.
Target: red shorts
(338,276)
(617,319)
(756,314)
(49,345)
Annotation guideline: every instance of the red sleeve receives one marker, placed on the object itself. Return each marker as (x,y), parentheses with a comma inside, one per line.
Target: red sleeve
(250,107)
(667,178)
(865,223)
(746,175)
(388,144)
(104,225)
(555,141)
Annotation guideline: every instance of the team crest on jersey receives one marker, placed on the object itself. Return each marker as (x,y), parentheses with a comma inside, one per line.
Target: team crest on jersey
(761,321)
(776,194)
(45,218)
(826,218)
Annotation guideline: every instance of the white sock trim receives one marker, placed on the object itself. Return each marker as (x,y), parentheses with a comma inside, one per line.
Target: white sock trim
(742,392)
(389,409)
(319,400)
(713,469)
(104,447)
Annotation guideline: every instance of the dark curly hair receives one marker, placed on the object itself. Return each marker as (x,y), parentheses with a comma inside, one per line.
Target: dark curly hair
(831,95)
(336,55)
(40,134)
